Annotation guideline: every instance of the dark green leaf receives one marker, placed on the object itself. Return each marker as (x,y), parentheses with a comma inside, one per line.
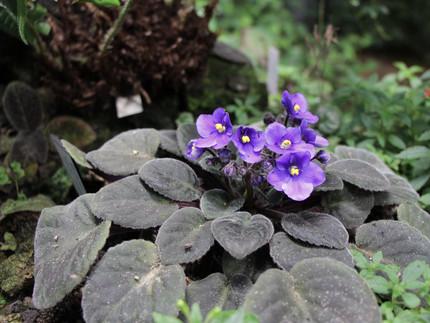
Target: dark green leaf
(185,237)
(242,233)
(125,153)
(67,241)
(169,142)
(359,173)
(399,191)
(171,178)
(217,290)
(400,243)
(345,152)
(316,228)
(77,154)
(215,203)
(129,284)
(350,205)
(129,203)
(331,183)
(33,204)
(414,152)
(396,141)
(287,252)
(415,216)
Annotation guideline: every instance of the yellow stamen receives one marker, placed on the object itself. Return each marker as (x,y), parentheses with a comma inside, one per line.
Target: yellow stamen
(296,108)
(294,170)
(286,144)
(192,148)
(245,139)
(220,127)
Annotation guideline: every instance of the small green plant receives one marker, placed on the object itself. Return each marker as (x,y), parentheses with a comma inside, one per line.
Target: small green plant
(216,315)
(9,242)
(12,174)
(403,295)
(245,111)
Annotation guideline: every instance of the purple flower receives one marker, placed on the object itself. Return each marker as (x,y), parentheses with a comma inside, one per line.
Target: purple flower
(323,156)
(295,175)
(192,151)
(249,143)
(297,107)
(215,129)
(281,140)
(310,136)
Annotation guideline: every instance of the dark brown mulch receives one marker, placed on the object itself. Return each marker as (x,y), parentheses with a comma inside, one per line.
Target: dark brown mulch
(159,45)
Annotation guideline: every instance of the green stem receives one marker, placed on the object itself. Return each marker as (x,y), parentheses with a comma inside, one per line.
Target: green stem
(249,189)
(118,22)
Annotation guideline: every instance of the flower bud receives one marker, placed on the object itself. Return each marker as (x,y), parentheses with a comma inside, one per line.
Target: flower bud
(268,119)
(256,179)
(268,164)
(212,161)
(224,156)
(280,118)
(323,156)
(242,170)
(230,170)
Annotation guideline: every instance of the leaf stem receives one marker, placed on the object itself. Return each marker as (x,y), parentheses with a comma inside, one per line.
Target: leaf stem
(114,30)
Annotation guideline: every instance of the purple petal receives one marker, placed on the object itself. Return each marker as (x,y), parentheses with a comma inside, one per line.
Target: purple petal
(300,100)
(286,99)
(320,142)
(218,115)
(293,135)
(313,174)
(258,140)
(277,178)
(210,141)
(297,190)
(303,147)
(222,140)
(300,159)
(274,132)
(284,162)
(249,155)
(205,125)
(309,117)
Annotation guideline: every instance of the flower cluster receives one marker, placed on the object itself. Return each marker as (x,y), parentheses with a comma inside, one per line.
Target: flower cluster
(282,154)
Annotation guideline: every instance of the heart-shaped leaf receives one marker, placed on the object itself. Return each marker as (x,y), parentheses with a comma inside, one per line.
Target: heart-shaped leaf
(331,183)
(125,153)
(242,233)
(317,290)
(415,216)
(169,142)
(359,173)
(316,228)
(218,290)
(66,244)
(215,203)
(29,147)
(351,205)
(129,283)
(185,237)
(129,203)
(287,252)
(400,243)
(345,152)
(77,154)
(171,178)
(399,191)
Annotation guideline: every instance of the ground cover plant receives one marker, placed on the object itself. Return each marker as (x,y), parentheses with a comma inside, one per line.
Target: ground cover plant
(258,217)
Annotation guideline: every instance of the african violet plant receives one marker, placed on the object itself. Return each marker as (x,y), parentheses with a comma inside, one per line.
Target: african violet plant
(230,217)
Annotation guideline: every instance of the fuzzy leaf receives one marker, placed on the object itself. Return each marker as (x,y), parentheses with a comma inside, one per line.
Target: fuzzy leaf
(331,183)
(242,233)
(125,153)
(316,228)
(185,133)
(129,203)
(218,290)
(215,203)
(169,142)
(22,106)
(351,206)
(30,147)
(345,152)
(171,178)
(287,252)
(359,173)
(400,243)
(77,154)
(75,130)
(316,290)
(399,191)
(33,204)
(129,283)
(185,237)
(415,216)
(245,266)
(67,241)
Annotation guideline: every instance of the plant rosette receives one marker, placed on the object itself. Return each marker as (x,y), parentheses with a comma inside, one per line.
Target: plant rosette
(258,218)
